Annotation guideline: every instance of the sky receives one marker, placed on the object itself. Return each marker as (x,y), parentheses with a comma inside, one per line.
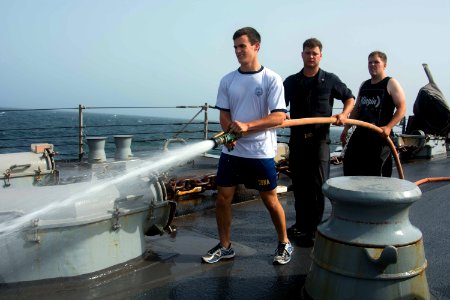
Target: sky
(165,53)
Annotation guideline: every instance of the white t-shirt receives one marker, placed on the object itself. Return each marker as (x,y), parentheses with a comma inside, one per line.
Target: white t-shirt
(248,97)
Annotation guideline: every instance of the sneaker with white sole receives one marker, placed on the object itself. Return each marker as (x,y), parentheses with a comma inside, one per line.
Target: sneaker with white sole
(217,253)
(283,253)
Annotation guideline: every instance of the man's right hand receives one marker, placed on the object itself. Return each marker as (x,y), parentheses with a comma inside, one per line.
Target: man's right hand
(230,145)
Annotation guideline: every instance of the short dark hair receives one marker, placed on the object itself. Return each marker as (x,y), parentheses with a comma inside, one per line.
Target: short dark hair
(312,43)
(253,35)
(380,54)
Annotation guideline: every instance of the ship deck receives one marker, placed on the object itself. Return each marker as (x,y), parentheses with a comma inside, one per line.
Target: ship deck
(172,269)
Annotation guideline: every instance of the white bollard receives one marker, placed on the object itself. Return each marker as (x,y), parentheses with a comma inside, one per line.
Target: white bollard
(96,146)
(123,147)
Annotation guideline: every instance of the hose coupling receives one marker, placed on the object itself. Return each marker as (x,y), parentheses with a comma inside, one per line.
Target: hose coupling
(225,138)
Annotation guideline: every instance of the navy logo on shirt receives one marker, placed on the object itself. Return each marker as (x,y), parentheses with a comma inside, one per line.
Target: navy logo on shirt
(258,91)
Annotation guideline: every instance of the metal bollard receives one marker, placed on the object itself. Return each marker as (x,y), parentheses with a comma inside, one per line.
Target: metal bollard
(123,147)
(368,249)
(96,146)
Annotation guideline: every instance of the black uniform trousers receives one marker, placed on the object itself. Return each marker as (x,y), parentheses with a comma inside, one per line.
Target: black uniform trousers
(309,164)
(367,154)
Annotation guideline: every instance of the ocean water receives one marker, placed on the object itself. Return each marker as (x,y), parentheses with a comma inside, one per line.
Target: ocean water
(20,129)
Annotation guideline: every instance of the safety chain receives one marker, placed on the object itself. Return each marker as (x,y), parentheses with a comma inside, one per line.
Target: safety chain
(176,188)
(282,167)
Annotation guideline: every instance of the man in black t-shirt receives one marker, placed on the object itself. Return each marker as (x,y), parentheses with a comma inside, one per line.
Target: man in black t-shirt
(311,93)
(367,152)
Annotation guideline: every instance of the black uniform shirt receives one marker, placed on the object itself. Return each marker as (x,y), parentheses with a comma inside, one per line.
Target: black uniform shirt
(313,97)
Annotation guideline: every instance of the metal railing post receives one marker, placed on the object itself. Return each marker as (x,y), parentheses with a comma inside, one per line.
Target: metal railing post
(80,132)
(205,123)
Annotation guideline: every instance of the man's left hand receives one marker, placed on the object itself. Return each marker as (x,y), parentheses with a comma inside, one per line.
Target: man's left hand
(340,119)
(386,131)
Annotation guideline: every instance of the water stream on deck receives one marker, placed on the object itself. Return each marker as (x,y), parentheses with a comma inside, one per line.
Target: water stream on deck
(151,165)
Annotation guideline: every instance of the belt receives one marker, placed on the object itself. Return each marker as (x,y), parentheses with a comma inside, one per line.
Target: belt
(307,137)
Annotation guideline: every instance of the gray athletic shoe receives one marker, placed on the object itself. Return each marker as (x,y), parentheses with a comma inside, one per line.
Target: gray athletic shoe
(283,254)
(217,253)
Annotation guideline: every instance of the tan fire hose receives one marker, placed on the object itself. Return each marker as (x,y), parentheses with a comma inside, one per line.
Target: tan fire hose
(331,120)
(432,179)
(308,121)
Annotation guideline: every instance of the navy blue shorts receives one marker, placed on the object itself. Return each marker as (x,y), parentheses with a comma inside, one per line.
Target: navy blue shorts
(254,173)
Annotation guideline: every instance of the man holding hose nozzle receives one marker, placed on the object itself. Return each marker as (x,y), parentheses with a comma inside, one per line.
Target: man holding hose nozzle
(250,98)
(367,152)
(311,93)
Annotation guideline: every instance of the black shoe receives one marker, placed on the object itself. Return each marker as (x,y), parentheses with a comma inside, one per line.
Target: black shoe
(305,235)
(295,231)
(304,240)
(292,230)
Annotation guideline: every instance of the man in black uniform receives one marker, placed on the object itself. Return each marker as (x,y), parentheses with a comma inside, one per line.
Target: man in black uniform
(311,93)
(367,152)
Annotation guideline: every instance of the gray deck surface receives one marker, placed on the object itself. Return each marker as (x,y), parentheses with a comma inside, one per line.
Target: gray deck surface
(172,268)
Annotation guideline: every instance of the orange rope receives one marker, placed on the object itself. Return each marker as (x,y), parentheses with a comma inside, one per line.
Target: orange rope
(308,121)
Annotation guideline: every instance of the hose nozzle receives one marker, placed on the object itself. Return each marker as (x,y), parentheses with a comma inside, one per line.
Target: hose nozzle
(224,138)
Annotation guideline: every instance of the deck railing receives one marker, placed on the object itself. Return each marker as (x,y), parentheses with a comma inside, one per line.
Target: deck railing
(68,128)
(176,134)
(22,127)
